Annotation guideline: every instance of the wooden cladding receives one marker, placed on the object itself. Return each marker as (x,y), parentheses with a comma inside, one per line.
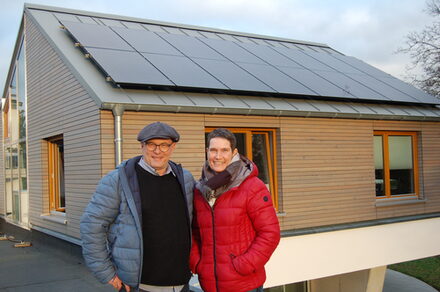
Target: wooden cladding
(325,167)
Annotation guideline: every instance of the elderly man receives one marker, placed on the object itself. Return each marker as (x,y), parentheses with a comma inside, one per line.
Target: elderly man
(136,229)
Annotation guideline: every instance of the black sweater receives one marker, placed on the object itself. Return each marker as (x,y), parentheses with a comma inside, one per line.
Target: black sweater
(165,230)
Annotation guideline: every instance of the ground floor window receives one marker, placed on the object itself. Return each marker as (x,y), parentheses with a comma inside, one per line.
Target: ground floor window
(55,151)
(259,145)
(396,164)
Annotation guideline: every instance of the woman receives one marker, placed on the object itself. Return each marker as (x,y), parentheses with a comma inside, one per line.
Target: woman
(235,226)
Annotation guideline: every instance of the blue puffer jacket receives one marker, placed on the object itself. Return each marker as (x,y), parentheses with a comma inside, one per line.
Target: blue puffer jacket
(110,227)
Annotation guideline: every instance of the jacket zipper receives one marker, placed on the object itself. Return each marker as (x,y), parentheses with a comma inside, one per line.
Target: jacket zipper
(213,240)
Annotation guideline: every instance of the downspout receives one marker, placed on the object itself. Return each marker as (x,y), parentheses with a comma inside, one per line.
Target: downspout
(118,111)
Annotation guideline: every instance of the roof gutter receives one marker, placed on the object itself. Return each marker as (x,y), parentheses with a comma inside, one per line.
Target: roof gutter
(263,112)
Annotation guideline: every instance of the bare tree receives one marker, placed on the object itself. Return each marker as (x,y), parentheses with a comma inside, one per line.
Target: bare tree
(424,50)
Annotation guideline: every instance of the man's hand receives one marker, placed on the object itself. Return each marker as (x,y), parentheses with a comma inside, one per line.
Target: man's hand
(117,284)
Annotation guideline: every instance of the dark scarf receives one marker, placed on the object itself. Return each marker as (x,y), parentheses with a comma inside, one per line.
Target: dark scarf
(213,184)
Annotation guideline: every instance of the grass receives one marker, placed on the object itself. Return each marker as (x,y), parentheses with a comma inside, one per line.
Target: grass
(427,270)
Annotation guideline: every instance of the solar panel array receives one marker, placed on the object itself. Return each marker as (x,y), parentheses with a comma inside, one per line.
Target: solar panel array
(154,55)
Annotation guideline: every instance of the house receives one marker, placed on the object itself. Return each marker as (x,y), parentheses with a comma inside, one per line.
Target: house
(350,154)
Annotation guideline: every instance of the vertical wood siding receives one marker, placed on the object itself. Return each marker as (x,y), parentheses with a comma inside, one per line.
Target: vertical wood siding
(107,142)
(328,171)
(325,166)
(57,104)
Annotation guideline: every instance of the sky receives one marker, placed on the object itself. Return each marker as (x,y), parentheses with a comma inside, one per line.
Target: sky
(370,30)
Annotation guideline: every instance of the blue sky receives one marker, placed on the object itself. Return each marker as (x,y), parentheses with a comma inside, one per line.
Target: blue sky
(371,30)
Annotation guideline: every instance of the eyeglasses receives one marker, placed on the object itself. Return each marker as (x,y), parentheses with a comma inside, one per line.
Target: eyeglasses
(164,147)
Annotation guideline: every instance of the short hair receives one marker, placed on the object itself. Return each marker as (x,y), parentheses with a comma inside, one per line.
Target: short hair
(222,133)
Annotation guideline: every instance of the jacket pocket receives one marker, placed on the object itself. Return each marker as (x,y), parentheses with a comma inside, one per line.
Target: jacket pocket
(241,266)
(234,269)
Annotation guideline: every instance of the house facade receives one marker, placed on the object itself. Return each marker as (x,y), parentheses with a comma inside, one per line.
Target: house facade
(350,154)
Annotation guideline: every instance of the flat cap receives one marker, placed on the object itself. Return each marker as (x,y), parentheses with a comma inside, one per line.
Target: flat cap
(158,130)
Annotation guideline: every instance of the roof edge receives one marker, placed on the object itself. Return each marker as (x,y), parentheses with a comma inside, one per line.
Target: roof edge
(263,112)
(170,24)
(18,42)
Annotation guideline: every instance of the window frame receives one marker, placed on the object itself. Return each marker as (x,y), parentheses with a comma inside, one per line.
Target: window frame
(386,162)
(54,173)
(271,153)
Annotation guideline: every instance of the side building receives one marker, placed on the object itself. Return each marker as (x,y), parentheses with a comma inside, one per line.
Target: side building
(349,153)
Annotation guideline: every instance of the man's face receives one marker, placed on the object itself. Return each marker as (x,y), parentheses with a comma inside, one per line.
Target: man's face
(154,156)
(220,154)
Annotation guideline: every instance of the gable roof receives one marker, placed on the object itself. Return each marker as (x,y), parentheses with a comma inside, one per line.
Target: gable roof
(220,71)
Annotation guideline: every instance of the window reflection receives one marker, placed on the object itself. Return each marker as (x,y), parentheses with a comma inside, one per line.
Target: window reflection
(14,141)
(378,164)
(401,165)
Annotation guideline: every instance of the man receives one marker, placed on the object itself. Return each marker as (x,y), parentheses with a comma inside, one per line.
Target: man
(136,229)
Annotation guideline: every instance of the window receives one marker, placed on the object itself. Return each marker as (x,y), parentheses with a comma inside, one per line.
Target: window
(14,143)
(259,146)
(57,199)
(6,129)
(396,166)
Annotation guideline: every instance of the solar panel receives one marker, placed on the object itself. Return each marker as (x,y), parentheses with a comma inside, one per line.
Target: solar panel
(128,67)
(301,58)
(315,82)
(334,63)
(191,46)
(146,41)
(388,91)
(277,80)
(269,55)
(362,66)
(232,51)
(232,76)
(355,88)
(146,54)
(97,36)
(410,90)
(184,72)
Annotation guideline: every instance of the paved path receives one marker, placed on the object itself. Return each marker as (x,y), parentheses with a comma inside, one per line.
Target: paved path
(37,269)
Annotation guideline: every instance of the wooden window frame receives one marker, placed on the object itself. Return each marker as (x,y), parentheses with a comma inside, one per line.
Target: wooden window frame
(54,173)
(271,155)
(386,162)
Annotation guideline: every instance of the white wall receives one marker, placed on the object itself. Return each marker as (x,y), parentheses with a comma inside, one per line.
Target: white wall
(313,256)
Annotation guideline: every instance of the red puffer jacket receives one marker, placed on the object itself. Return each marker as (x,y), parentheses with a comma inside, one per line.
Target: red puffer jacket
(233,240)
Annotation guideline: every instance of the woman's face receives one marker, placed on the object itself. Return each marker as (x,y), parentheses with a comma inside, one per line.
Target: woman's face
(219,153)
